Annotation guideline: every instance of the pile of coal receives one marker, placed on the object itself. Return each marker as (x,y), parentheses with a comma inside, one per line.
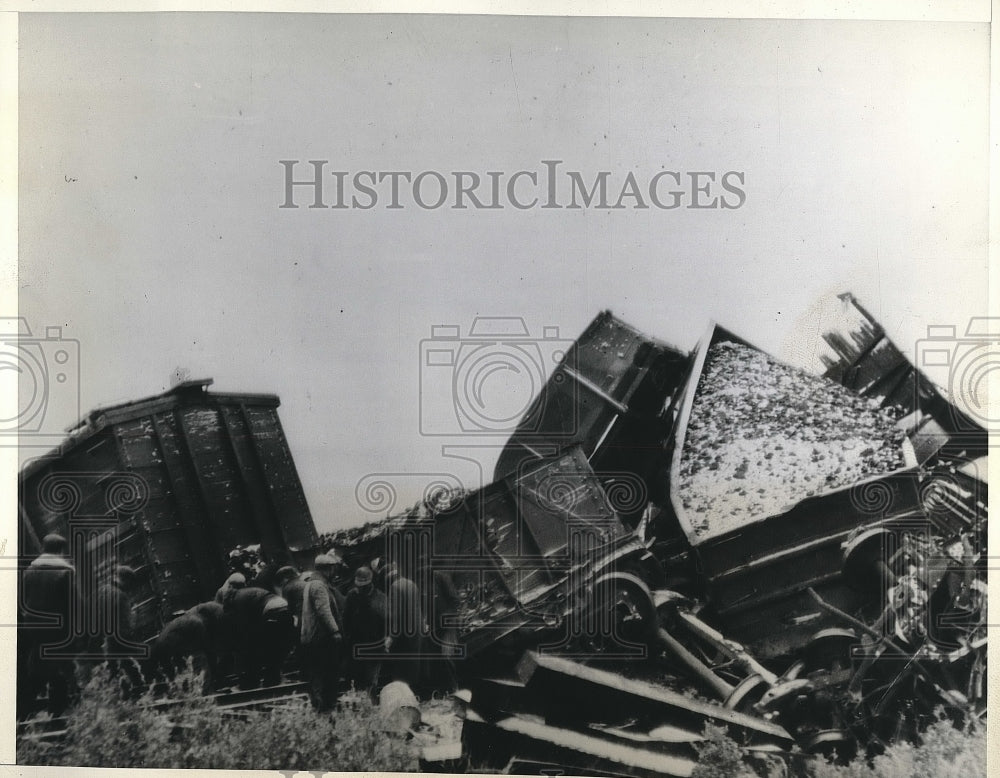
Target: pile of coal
(763,436)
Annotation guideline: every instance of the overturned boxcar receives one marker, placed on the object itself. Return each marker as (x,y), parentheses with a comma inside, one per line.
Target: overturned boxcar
(168,485)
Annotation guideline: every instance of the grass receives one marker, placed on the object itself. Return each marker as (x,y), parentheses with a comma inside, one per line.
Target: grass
(945,751)
(106,730)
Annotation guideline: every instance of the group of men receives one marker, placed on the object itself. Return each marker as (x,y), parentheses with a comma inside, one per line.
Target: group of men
(355,630)
(344,628)
(360,628)
(379,631)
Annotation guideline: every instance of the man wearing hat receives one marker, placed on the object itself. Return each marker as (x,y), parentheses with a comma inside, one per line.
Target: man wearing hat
(364,621)
(50,600)
(321,633)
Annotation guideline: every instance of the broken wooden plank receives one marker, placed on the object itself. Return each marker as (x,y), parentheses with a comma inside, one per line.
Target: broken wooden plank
(664,739)
(498,697)
(567,690)
(582,753)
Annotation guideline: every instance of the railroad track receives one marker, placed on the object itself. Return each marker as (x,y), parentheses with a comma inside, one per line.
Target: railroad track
(229,703)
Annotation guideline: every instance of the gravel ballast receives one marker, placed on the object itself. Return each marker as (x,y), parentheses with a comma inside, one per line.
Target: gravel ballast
(763,436)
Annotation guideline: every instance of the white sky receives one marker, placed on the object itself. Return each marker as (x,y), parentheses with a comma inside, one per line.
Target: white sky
(150,185)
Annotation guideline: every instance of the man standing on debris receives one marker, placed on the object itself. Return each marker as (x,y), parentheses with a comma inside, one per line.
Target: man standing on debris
(407,627)
(50,604)
(365,622)
(321,636)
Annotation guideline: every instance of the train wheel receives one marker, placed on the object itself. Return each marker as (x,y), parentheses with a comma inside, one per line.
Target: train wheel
(747,693)
(620,616)
(830,650)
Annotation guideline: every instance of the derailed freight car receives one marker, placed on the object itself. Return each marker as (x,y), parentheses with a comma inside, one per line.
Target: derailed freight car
(610,395)
(837,533)
(168,485)
(754,568)
(780,484)
(535,558)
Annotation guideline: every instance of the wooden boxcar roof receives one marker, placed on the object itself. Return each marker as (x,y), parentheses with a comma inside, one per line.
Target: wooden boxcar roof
(194,392)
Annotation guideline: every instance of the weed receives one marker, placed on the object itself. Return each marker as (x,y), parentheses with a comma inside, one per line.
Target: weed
(187,730)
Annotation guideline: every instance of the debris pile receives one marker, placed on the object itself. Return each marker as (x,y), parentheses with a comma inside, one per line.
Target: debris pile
(556,712)
(763,435)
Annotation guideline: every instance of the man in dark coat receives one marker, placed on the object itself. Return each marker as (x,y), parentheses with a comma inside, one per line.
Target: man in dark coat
(365,622)
(113,611)
(200,633)
(116,640)
(291,585)
(441,609)
(50,612)
(321,633)
(234,582)
(264,633)
(406,627)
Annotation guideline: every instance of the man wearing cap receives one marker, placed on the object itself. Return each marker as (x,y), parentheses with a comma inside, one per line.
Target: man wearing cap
(202,633)
(115,619)
(50,601)
(234,582)
(321,636)
(116,639)
(365,622)
(404,642)
(279,636)
(263,635)
(291,585)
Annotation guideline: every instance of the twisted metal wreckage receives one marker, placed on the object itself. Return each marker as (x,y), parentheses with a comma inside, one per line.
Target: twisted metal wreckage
(824,583)
(671,539)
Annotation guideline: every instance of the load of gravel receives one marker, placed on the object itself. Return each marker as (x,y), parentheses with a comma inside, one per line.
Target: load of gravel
(763,436)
